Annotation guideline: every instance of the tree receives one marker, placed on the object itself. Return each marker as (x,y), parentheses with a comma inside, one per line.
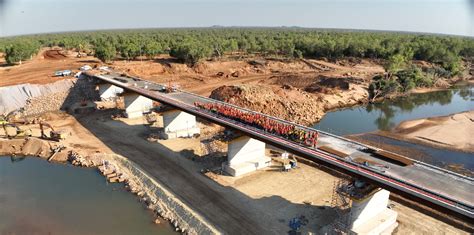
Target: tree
(152,48)
(191,52)
(452,63)
(411,78)
(395,63)
(130,50)
(105,51)
(20,51)
(381,86)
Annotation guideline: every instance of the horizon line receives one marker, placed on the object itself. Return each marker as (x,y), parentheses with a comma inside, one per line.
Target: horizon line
(241,27)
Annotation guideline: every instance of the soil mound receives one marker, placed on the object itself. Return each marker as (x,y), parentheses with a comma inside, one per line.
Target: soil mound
(54,55)
(326,85)
(290,104)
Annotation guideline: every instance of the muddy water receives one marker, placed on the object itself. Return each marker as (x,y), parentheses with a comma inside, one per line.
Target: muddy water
(37,197)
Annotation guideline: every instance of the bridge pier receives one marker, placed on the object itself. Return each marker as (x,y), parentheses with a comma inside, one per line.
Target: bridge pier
(178,124)
(108,91)
(246,155)
(136,104)
(370,215)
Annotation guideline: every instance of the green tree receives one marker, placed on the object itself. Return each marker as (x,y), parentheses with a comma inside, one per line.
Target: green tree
(191,52)
(151,49)
(413,77)
(395,63)
(130,50)
(20,51)
(105,51)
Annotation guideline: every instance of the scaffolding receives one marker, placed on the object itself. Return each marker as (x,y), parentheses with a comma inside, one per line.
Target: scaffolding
(341,202)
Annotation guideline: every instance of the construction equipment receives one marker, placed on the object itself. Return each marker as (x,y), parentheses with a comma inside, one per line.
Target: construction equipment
(53,135)
(3,120)
(19,133)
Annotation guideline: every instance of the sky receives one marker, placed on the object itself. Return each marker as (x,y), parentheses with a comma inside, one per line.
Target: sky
(19,17)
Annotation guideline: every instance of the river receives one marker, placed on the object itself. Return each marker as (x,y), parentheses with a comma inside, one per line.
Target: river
(37,197)
(389,113)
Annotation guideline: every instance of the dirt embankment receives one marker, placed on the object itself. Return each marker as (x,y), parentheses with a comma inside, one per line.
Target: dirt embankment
(453,131)
(305,107)
(290,105)
(297,90)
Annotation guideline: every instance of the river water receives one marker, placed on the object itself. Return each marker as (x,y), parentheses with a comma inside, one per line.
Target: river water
(389,113)
(37,197)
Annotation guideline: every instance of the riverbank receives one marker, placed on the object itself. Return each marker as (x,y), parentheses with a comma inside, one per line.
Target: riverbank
(262,202)
(450,132)
(259,203)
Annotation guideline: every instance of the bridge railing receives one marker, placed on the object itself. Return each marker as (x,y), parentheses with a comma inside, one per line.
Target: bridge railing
(361,145)
(468,209)
(455,203)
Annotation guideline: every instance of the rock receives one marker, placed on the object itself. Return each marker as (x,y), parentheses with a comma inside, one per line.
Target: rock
(113,179)
(157,221)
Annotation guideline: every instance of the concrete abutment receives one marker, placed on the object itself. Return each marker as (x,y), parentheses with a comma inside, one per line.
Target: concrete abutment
(245,155)
(136,105)
(108,91)
(179,124)
(370,214)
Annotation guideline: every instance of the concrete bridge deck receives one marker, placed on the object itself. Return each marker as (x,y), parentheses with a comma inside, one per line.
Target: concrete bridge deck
(427,184)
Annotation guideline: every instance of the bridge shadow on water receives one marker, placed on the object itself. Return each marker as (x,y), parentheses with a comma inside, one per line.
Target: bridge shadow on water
(224,206)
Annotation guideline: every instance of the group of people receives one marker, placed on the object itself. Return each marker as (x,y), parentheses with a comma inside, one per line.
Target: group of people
(289,131)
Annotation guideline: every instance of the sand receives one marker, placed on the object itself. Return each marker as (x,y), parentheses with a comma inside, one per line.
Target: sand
(453,131)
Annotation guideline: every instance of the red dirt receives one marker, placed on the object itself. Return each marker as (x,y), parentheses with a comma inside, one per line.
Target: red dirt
(54,55)
(41,70)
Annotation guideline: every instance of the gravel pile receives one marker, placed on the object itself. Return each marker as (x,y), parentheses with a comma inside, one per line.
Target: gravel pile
(15,97)
(61,100)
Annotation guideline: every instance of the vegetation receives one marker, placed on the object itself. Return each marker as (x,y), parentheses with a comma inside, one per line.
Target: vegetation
(193,45)
(20,50)
(105,51)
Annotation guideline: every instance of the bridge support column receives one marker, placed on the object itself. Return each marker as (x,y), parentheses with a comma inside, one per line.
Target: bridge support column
(246,155)
(370,215)
(179,124)
(136,105)
(108,91)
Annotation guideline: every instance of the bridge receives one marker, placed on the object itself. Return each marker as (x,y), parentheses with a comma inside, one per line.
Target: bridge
(435,187)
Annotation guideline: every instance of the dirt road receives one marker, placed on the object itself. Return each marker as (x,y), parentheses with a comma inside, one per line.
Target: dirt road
(183,179)
(41,69)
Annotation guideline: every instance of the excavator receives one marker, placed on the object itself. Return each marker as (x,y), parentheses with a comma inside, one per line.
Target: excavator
(19,133)
(53,135)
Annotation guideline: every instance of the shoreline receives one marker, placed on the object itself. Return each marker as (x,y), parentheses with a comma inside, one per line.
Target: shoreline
(365,101)
(116,168)
(449,132)
(146,197)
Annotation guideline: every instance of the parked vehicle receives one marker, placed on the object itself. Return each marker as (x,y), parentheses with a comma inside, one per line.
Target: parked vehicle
(63,73)
(104,68)
(85,68)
